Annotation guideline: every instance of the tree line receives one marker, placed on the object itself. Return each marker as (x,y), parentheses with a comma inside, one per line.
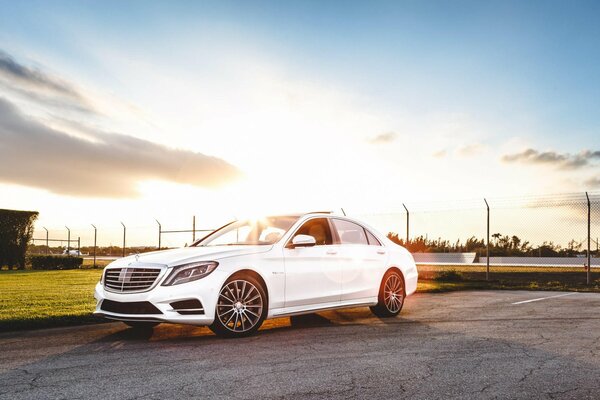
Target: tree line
(500,246)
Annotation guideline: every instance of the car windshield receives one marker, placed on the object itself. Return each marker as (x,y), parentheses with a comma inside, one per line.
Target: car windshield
(261,231)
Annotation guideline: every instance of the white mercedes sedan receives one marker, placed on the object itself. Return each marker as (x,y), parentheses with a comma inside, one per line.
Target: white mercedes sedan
(248,271)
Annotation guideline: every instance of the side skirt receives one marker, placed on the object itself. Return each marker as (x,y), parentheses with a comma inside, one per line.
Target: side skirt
(299,310)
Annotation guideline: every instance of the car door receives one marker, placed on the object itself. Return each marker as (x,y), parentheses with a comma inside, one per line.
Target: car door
(312,274)
(363,258)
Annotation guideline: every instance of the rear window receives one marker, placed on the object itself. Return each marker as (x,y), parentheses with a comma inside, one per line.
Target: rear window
(349,232)
(373,241)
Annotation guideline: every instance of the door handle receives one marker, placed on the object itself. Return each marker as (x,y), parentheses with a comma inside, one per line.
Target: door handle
(332,252)
(380,251)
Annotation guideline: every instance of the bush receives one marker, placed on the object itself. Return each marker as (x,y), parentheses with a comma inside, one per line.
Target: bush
(16,228)
(54,262)
(448,276)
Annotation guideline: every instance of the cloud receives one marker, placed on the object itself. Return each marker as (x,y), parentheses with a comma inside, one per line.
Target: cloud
(386,137)
(440,153)
(470,150)
(41,87)
(110,165)
(551,158)
(593,183)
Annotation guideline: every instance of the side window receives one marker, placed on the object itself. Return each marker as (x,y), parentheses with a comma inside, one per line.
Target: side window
(317,228)
(271,234)
(349,232)
(373,241)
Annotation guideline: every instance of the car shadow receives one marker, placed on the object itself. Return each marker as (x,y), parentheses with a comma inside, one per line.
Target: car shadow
(177,332)
(182,333)
(309,321)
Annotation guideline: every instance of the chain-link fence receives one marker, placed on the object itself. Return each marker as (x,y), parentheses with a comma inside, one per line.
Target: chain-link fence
(511,238)
(547,239)
(112,241)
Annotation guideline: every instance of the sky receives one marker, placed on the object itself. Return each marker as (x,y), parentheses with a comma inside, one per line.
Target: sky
(114,111)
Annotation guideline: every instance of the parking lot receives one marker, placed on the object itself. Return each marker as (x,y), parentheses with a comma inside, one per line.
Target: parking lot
(478,344)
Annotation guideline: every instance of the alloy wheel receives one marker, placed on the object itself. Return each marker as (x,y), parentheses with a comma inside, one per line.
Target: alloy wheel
(393,293)
(240,306)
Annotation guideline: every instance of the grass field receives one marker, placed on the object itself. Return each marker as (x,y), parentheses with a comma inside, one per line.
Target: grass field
(32,299)
(99,263)
(37,299)
(543,278)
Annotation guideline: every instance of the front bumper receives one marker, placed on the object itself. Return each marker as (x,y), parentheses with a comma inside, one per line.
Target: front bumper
(205,290)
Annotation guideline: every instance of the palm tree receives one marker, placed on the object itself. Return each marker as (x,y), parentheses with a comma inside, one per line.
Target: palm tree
(497,237)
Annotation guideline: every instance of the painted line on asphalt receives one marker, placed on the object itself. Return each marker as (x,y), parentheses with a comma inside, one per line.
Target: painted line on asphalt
(545,298)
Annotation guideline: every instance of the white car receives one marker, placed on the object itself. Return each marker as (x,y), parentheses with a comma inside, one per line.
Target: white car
(248,271)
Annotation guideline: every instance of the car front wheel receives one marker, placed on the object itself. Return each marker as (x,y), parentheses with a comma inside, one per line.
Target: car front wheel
(391,295)
(241,307)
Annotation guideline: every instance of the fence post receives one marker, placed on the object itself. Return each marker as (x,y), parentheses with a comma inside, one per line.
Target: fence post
(47,246)
(78,246)
(193,228)
(589,239)
(124,235)
(487,251)
(407,223)
(159,232)
(95,237)
(68,240)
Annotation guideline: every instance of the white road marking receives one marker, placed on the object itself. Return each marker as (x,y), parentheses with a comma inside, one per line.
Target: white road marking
(544,298)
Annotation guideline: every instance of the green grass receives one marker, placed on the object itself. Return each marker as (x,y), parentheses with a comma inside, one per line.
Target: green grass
(40,299)
(36,299)
(457,277)
(436,286)
(99,263)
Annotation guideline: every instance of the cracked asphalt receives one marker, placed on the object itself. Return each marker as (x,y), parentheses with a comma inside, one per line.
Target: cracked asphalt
(474,344)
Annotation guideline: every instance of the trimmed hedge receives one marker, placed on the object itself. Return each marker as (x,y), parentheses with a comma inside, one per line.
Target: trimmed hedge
(16,228)
(54,262)
(449,275)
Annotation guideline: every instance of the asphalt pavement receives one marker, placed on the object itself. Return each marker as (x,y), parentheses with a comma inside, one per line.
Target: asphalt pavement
(473,344)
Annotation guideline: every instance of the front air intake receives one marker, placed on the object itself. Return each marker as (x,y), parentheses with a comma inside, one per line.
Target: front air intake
(188,307)
(129,307)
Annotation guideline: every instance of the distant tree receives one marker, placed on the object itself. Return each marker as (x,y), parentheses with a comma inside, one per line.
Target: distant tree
(502,246)
(496,236)
(16,229)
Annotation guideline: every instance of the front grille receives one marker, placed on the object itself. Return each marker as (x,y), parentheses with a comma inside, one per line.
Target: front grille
(130,307)
(130,279)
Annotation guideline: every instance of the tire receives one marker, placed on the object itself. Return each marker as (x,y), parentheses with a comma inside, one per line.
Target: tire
(141,325)
(391,295)
(241,307)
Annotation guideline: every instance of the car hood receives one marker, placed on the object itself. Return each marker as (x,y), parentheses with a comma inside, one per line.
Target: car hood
(190,254)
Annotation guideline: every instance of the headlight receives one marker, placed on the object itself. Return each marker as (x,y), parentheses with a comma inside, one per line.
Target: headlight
(190,272)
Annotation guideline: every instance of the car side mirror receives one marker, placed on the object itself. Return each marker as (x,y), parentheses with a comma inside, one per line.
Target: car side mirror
(303,241)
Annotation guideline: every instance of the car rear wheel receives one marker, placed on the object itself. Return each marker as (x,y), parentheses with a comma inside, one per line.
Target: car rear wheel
(391,295)
(241,307)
